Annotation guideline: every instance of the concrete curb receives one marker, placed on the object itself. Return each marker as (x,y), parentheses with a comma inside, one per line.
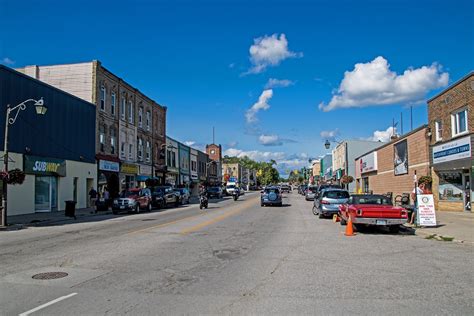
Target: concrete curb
(420,233)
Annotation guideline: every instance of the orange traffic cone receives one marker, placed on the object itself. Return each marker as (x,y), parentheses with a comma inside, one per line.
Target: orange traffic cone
(335,218)
(349,228)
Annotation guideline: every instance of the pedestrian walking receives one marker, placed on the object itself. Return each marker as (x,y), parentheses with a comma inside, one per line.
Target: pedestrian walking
(420,189)
(92,197)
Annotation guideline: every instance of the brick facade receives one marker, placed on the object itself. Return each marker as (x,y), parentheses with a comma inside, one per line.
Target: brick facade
(384,179)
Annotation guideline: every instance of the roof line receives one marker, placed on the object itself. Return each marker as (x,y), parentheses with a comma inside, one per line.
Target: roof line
(457,82)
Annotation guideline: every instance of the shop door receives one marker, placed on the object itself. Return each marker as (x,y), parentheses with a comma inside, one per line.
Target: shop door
(46,194)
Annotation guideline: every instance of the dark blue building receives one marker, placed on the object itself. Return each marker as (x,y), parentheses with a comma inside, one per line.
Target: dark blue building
(56,150)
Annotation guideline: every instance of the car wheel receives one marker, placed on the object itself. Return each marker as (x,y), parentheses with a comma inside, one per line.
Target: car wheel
(394,229)
(137,208)
(149,207)
(162,204)
(176,203)
(359,227)
(315,210)
(320,215)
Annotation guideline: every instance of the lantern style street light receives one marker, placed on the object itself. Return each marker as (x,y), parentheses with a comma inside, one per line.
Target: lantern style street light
(14,111)
(327,144)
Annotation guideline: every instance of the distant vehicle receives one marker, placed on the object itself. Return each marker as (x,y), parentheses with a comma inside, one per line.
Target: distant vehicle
(311,192)
(327,186)
(184,195)
(285,188)
(271,196)
(373,210)
(329,201)
(214,192)
(230,187)
(302,189)
(164,196)
(133,200)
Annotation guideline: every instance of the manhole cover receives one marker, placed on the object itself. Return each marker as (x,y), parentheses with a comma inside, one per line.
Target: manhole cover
(49,275)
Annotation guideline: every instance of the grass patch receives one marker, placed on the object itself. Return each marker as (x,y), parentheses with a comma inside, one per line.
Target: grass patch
(432,236)
(446,238)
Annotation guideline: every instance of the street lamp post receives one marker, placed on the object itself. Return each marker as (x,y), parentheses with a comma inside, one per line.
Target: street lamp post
(40,110)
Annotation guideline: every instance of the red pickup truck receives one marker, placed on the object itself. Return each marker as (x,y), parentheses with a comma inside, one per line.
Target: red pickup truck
(133,200)
(372,210)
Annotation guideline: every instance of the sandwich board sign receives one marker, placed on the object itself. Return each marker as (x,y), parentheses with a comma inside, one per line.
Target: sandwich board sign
(426,210)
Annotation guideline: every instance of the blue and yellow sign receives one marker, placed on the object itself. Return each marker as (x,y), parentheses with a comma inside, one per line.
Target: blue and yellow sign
(44,166)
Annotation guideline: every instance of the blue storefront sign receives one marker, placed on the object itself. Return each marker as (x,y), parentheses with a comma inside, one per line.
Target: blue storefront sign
(111,166)
(454,150)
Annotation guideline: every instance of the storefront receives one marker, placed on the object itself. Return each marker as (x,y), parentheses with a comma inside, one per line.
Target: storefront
(452,174)
(46,172)
(128,176)
(145,173)
(366,166)
(108,177)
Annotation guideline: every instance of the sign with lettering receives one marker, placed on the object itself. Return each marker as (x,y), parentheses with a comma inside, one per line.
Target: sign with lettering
(454,150)
(129,168)
(106,165)
(368,163)
(44,166)
(426,210)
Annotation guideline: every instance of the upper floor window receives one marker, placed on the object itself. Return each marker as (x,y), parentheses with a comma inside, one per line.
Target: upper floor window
(122,109)
(102,138)
(148,151)
(112,144)
(439,130)
(130,112)
(140,117)
(173,160)
(459,122)
(168,158)
(102,98)
(148,118)
(140,149)
(130,152)
(112,104)
(122,150)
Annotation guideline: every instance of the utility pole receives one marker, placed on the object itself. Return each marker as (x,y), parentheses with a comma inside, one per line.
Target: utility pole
(401,122)
(411,117)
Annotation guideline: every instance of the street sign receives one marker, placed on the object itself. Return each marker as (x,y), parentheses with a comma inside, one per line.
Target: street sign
(426,210)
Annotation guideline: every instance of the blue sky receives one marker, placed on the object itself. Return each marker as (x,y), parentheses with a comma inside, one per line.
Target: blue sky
(194,57)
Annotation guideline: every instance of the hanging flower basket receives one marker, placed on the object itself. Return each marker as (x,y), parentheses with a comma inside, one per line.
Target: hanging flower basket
(347,179)
(15,176)
(426,180)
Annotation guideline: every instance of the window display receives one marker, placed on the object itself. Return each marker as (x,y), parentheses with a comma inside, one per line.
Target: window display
(450,186)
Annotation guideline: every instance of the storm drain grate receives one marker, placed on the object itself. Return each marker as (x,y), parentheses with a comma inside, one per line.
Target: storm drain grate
(49,275)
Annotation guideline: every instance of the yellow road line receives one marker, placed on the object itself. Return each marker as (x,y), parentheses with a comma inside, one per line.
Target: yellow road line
(216,219)
(163,225)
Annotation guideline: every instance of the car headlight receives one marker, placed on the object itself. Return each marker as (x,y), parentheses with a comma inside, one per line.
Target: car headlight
(131,202)
(115,201)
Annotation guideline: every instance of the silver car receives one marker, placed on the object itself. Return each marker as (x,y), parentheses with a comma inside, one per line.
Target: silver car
(328,202)
(311,193)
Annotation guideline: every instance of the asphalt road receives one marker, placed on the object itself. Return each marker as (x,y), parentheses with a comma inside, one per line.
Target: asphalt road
(235,258)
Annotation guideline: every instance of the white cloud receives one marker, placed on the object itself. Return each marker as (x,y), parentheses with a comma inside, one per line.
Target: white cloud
(7,61)
(231,65)
(270,140)
(189,143)
(261,104)
(233,144)
(331,135)
(269,51)
(373,83)
(277,83)
(383,136)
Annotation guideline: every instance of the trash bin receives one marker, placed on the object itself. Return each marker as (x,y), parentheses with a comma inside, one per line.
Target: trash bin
(70,209)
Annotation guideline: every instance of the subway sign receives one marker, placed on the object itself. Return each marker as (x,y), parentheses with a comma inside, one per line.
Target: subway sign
(44,166)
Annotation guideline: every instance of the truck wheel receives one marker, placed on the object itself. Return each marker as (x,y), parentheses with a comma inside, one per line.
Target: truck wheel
(137,208)
(176,203)
(149,207)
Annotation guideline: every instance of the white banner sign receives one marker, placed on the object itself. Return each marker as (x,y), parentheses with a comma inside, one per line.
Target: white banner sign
(368,163)
(426,210)
(457,149)
(109,166)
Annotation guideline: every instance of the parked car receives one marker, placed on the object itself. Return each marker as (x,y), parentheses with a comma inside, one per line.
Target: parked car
(184,195)
(214,192)
(302,189)
(271,196)
(322,187)
(311,193)
(164,196)
(328,202)
(373,210)
(102,205)
(133,200)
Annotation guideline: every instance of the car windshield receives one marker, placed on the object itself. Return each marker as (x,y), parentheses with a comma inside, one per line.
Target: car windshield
(313,189)
(126,194)
(371,199)
(231,186)
(213,190)
(158,190)
(336,194)
(272,190)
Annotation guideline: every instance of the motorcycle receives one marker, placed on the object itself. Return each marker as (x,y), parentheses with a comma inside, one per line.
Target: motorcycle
(235,195)
(203,201)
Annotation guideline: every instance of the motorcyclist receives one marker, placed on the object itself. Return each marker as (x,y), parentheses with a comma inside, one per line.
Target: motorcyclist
(203,197)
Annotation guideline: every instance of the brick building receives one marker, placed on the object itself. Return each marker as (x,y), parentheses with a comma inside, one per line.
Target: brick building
(392,166)
(451,124)
(214,152)
(121,142)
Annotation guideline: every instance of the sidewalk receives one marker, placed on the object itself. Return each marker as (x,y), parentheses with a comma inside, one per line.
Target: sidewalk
(458,225)
(39,219)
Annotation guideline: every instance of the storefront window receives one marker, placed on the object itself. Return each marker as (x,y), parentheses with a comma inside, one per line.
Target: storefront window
(46,196)
(450,186)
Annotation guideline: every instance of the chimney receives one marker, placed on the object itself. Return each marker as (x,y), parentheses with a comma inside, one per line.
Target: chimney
(32,71)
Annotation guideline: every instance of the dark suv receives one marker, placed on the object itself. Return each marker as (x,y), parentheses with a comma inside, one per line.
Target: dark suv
(164,196)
